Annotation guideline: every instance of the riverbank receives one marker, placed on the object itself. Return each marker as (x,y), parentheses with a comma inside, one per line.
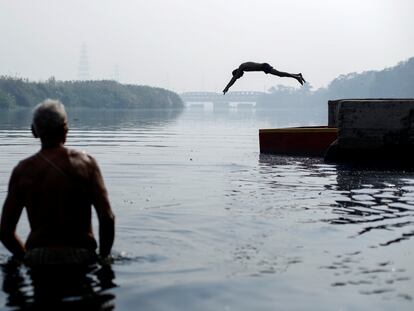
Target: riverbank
(21,93)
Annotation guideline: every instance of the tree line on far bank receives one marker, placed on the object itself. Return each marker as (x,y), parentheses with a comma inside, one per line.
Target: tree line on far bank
(21,93)
(393,82)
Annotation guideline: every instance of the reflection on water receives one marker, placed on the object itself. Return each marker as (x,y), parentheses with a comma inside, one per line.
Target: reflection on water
(374,209)
(205,222)
(58,287)
(379,201)
(381,206)
(107,119)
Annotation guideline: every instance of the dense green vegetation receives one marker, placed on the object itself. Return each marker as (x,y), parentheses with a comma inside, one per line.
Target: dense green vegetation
(16,93)
(394,82)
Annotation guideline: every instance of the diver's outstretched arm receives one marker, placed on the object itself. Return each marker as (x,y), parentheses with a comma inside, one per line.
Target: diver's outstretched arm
(233,79)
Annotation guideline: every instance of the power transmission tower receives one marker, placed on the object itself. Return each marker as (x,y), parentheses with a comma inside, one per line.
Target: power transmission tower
(115,76)
(83,69)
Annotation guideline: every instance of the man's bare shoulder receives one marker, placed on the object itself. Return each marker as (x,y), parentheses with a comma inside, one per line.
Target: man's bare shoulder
(79,157)
(26,164)
(24,170)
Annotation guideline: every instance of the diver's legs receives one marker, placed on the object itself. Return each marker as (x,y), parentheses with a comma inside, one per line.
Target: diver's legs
(278,73)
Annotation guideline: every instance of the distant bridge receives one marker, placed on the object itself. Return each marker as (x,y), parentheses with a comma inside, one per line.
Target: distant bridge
(219,100)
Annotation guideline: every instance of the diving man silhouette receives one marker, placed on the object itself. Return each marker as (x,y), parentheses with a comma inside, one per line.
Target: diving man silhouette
(265,67)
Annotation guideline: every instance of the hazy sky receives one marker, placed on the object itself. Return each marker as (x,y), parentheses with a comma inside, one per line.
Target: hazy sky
(195,44)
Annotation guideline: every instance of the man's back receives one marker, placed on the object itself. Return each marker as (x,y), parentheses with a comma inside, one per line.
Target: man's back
(57,186)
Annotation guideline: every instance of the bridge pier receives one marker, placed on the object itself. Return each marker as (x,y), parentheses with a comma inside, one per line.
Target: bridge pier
(196,106)
(221,105)
(245,106)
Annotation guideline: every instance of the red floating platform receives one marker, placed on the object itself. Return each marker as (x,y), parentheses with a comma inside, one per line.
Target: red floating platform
(299,141)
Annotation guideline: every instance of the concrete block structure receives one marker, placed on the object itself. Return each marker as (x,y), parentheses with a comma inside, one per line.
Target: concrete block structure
(372,130)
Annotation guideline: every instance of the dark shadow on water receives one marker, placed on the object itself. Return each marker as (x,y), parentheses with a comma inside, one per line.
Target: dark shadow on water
(372,208)
(372,199)
(58,287)
(378,200)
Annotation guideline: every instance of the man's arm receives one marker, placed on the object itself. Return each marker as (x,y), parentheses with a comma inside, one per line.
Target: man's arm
(233,79)
(103,210)
(12,210)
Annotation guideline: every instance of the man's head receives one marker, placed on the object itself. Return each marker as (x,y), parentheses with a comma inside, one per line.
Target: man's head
(50,122)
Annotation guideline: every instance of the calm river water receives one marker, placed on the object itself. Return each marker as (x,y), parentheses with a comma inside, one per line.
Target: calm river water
(204,222)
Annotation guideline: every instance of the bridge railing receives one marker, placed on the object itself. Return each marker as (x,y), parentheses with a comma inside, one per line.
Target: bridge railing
(242,96)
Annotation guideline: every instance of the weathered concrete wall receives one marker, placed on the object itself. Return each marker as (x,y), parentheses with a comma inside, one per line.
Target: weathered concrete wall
(372,123)
(373,132)
(333,112)
(333,107)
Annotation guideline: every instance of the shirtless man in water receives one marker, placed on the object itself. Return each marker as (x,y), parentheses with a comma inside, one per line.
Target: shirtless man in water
(58,187)
(265,67)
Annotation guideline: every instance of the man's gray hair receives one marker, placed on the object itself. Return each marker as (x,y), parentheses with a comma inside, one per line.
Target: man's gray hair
(49,117)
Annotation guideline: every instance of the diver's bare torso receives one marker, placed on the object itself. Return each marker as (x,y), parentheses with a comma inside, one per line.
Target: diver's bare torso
(252,66)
